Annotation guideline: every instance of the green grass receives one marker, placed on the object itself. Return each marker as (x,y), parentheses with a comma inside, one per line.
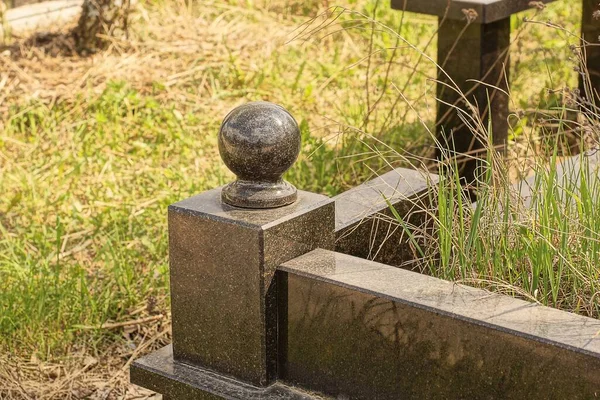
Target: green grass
(545,250)
(83,230)
(83,236)
(87,178)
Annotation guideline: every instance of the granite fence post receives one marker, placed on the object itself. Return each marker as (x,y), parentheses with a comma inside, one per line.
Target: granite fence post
(225,245)
(223,257)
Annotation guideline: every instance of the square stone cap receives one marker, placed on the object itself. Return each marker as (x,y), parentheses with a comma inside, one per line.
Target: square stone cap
(487,10)
(210,206)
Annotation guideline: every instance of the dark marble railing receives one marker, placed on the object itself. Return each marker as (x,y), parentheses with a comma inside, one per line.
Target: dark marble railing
(264,307)
(365,224)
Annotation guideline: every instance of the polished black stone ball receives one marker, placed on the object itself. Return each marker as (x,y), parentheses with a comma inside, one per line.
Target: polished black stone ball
(259,141)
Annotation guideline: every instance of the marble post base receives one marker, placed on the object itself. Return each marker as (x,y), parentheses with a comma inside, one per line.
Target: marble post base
(159,372)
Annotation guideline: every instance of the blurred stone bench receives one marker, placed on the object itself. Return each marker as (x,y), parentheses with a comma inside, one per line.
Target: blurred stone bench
(473,47)
(43,15)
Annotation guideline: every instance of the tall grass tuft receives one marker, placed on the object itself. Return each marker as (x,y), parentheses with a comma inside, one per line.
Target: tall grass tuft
(538,240)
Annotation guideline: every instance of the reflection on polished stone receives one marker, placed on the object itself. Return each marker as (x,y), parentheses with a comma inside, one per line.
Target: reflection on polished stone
(258,142)
(364,330)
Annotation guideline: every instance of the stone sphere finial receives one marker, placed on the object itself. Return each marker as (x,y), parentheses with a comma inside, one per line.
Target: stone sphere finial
(258,142)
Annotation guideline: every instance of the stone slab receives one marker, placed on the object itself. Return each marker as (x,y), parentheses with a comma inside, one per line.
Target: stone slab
(356,328)
(44,15)
(361,202)
(161,373)
(487,10)
(568,174)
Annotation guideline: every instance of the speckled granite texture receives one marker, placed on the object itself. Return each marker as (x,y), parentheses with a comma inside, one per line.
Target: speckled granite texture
(222,262)
(258,142)
(159,372)
(357,329)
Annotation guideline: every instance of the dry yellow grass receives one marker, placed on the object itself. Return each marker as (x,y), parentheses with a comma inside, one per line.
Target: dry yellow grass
(208,59)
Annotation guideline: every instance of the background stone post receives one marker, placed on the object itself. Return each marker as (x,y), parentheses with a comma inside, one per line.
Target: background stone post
(470,53)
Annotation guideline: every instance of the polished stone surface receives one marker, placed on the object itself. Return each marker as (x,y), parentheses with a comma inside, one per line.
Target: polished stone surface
(365,330)
(161,373)
(258,142)
(366,227)
(487,10)
(222,262)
